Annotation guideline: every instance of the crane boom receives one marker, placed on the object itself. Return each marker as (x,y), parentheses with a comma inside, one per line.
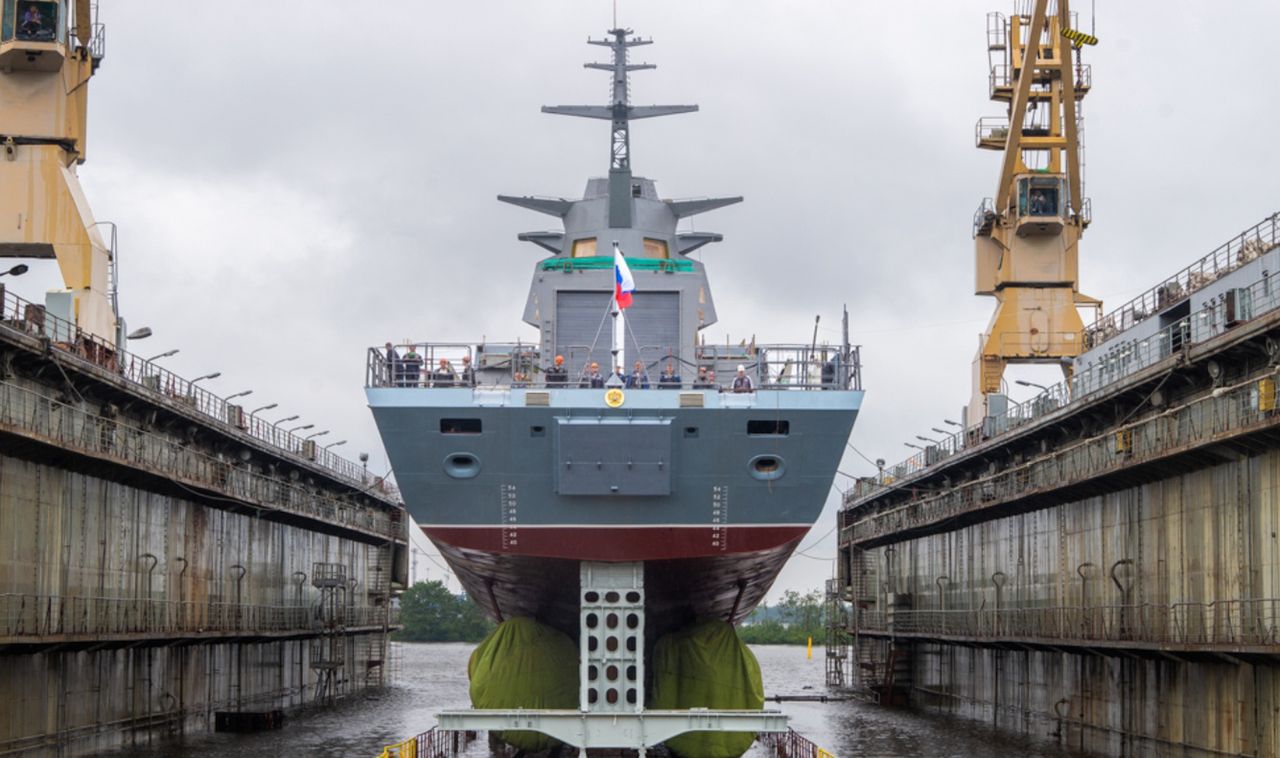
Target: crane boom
(1026,240)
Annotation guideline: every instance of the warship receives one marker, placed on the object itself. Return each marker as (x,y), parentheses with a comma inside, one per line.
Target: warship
(703,463)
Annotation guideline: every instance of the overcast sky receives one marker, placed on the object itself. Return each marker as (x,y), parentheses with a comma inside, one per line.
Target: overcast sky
(296,181)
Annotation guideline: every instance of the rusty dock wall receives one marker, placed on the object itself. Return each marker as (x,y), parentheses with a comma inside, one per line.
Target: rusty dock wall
(1106,568)
(160,565)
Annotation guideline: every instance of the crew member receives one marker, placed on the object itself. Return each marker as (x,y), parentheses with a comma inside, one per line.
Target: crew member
(703,382)
(392,365)
(742,382)
(638,379)
(593,379)
(468,373)
(410,368)
(557,376)
(443,375)
(669,380)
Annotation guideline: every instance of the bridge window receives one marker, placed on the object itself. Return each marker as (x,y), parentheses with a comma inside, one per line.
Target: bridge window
(655,249)
(459,426)
(768,427)
(584,248)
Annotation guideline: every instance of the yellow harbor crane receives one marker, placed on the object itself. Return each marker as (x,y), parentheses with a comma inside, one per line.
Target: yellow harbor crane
(48,53)
(1026,239)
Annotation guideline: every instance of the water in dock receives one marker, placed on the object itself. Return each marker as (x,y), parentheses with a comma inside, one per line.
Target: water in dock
(433,677)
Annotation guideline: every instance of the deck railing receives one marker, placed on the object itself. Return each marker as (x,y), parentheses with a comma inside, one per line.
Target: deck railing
(29,617)
(1122,358)
(1218,623)
(164,386)
(512,364)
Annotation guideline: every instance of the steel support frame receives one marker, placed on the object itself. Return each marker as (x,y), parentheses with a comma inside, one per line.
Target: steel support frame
(599,723)
(638,731)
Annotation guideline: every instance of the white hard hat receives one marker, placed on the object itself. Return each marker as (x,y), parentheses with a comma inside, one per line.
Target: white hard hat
(741,367)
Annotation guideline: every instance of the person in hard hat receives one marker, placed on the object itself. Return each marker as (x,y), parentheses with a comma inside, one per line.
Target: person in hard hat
(444,375)
(704,381)
(468,373)
(557,375)
(593,379)
(742,382)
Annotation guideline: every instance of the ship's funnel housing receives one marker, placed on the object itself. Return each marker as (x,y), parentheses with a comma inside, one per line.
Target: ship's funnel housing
(572,288)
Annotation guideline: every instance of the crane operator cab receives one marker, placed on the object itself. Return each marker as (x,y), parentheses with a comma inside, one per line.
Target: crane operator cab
(1041,204)
(32,34)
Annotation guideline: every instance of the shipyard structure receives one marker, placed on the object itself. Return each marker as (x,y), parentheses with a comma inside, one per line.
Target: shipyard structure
(169,562)
(1101,562)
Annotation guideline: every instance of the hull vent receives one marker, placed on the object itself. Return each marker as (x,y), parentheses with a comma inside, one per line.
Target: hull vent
(691,399)
(542,399)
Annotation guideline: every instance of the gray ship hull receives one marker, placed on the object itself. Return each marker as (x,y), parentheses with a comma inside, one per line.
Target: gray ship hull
(712,505)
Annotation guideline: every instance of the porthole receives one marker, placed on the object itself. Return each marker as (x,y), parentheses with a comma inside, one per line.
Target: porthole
(767,467)
(462,465)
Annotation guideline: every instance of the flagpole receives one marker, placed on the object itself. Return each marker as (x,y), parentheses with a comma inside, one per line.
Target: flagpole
(619,332)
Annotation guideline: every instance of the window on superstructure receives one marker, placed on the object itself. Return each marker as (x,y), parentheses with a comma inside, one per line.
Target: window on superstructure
(584,248)
(459,426)
(655,249)
(768,427)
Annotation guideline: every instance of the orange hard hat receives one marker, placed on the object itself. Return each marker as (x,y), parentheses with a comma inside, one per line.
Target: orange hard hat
(559,359)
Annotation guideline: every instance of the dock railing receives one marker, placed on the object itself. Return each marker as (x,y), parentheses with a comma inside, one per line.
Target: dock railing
(1223,259)
(791,744)
(164,386)
(433,743)
(1122,358)
(1246,407)
(30,617)
(27,412)
(1217,623)
(774,366)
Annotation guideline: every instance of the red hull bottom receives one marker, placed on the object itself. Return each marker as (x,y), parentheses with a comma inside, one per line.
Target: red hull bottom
(687,574)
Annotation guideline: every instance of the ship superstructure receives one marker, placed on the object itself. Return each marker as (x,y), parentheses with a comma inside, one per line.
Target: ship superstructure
(519,463)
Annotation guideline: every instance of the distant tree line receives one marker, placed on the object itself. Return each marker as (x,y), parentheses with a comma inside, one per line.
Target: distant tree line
(431,613)
(793,621)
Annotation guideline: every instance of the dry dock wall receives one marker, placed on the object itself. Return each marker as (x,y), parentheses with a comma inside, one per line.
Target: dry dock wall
(158,567)
(1159,567)
(1105,568)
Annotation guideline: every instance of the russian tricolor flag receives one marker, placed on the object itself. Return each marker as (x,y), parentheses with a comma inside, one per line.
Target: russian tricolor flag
(624,285)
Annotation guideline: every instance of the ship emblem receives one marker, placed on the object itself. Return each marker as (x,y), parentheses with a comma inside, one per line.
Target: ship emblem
(614,398)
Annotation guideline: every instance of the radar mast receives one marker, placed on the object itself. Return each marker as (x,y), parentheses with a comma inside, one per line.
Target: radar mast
(621,112)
